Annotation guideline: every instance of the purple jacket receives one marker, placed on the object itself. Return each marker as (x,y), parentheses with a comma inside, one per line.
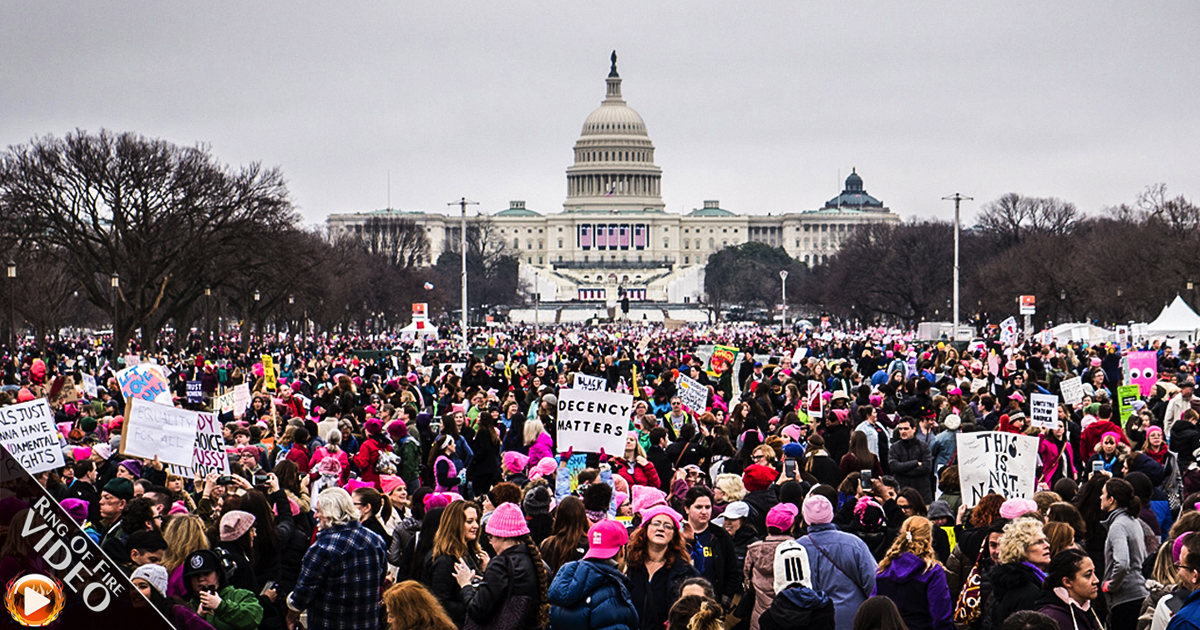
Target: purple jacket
(921,594)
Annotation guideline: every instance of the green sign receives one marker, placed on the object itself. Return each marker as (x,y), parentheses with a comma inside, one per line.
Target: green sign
(1126,394)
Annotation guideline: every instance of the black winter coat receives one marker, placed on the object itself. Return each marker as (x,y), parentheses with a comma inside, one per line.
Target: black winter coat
(508,575)
(1015,587)
(293,534)
(653,598)
(439,577)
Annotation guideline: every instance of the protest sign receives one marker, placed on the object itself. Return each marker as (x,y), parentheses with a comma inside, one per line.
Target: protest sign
(590,383)
(994,461)
(145,382)
(1126,394)
(27,430)
(241,399)
(1072,390)
(195,392)
(590,421)
(1141,369)
(269,379)
(1043,411)
(224,403)
(152,429)
(978,385)
(693,395)
(89,385)
(1008,331)
(62,391)
(208,451)
(813,401)
(721,359)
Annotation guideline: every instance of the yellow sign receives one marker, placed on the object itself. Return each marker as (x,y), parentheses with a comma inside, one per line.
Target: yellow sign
(269,372)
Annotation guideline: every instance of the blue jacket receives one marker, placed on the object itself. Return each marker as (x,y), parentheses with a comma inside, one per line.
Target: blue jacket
(851,580)
(1188,617)
(591,595)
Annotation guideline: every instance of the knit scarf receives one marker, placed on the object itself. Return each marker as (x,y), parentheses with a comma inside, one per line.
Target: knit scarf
(1159,456)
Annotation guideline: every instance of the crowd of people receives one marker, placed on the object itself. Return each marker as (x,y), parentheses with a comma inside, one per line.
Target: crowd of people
(373,488)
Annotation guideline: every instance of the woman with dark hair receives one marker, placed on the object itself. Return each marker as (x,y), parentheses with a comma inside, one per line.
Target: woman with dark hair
(657,563)
(441,462)
(1063,512)
(879,613)
(484,469)
(374,509)
(819,464)
(420,547)
(513,586)
(1067,593)
(860,457)
(1124,553)
(568,540)
(456,542)
(1095,532)
(911,503)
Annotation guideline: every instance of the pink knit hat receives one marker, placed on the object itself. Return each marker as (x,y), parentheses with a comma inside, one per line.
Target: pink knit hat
(783,516)
(1012,508)
(507,522)
(817,510)
(545,466)
(793,431)
(514,462)
(178,507)
(646,497)
(659,510)
(355,484)
(235,524)
(390,483)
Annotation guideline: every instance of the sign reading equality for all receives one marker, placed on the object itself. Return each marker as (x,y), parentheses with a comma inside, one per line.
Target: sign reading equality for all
(27,430)
(693,395)
(590,421)
(159,430)
(1043,411)
(995,461)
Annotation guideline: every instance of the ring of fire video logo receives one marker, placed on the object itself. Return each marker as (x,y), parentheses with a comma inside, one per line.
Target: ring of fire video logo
(34,599)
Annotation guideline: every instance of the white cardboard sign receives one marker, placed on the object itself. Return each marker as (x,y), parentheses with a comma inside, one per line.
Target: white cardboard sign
(153,429)
(590,421)
(590,383)
(1072,390)
(27,431)
(994,461)
(693,395)
(1043,411)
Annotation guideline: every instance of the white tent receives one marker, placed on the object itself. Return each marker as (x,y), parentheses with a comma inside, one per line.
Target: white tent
(1176,320)
(1081,331)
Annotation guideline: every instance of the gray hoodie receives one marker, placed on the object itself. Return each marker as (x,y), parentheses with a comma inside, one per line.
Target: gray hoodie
(1124,553)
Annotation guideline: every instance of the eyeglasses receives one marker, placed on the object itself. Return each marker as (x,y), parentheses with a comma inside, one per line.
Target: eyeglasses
(759,457)
(653,525)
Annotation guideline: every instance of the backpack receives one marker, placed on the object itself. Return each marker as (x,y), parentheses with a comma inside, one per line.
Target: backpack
(969,606)
(792,566)
(388,462)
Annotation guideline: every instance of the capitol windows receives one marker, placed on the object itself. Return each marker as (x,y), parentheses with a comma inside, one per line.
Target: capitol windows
(516,243)
(528,244)
(666,243)
(540,244)
(686,244)
(697,243)
(806,227)
(712,243)
(686,260)
(560,243)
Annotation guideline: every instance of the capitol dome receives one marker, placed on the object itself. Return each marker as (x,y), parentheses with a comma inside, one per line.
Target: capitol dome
(614,166)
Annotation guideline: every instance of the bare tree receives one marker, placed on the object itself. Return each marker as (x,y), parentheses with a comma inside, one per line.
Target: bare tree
(1013,217)
(157,215)
(398,240)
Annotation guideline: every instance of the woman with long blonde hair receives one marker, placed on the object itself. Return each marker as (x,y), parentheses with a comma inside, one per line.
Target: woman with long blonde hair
(185,534)
(911,576)
(457,539)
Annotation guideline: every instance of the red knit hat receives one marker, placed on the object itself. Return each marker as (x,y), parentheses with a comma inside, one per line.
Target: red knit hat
(758,477)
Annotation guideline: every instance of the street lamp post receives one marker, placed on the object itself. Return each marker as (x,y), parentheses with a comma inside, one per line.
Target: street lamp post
(12,300)
(257,326)
(463,203)
(957,198)
(291,303)
(115,283)
(207,313)
(783,287)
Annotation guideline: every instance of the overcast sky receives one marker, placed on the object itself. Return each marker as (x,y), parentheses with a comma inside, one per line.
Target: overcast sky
(761,105)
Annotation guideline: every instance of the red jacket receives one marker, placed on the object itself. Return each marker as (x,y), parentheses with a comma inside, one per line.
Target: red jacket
(298,455)
(365,459)
(1092,435)
(642,475)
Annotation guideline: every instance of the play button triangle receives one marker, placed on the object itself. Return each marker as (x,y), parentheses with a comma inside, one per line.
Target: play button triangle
(34,601)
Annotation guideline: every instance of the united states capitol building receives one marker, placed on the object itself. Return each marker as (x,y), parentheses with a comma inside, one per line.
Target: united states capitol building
(613,236)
